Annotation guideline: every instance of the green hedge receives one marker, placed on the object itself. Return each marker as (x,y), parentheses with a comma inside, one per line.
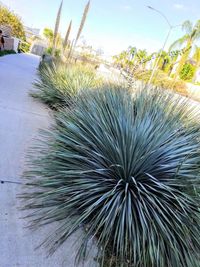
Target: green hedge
(24,47)
(187,72)
(6,52)
(163,81)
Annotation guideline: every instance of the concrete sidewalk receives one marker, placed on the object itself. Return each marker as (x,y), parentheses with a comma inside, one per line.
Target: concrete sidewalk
(20,118)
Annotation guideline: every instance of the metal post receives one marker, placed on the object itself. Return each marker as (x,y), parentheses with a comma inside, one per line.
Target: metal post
(157,61)
(165,42)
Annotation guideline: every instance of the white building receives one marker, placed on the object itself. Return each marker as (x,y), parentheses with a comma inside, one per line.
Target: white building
(30,32)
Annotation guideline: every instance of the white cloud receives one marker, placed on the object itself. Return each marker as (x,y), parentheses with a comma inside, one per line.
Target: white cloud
(179,6)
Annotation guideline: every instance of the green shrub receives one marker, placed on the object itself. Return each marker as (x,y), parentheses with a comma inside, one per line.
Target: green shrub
(163,81)
(57,52)
(127,168)
(7,17)
(58,84)
(6,52)
(187,73)
(24,47)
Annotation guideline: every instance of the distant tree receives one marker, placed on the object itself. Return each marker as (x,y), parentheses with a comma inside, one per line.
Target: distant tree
(131,57)
(187,72)
(7,17)
(132,52)
(164,61)
(123,58)
(173,60)
(48,34)
(99,51)
(141,56)
(196,56)
(192,34)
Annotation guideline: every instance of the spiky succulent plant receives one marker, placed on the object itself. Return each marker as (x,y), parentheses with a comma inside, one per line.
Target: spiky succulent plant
(126,166)
(58,83)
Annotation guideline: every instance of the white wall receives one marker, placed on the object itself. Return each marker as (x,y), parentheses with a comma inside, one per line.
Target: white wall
(16,44)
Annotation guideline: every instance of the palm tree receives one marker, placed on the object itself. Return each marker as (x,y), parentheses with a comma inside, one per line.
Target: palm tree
(196,56)
(132,51)
(48,34)
(121,60)
(141,54)
(141,57)
(164,61)
(192,34)
(173,56)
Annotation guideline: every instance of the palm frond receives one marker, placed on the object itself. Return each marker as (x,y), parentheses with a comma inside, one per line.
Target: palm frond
(196,55)
(179,42)
(187,27)
(196,35)
(197,26)
(127,166)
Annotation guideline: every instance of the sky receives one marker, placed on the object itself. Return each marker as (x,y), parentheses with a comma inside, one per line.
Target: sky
(112,25)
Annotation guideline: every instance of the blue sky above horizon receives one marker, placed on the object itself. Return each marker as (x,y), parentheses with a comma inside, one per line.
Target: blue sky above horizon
(112,25)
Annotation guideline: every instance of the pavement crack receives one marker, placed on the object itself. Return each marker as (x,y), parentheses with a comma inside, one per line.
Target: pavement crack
(10,182)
